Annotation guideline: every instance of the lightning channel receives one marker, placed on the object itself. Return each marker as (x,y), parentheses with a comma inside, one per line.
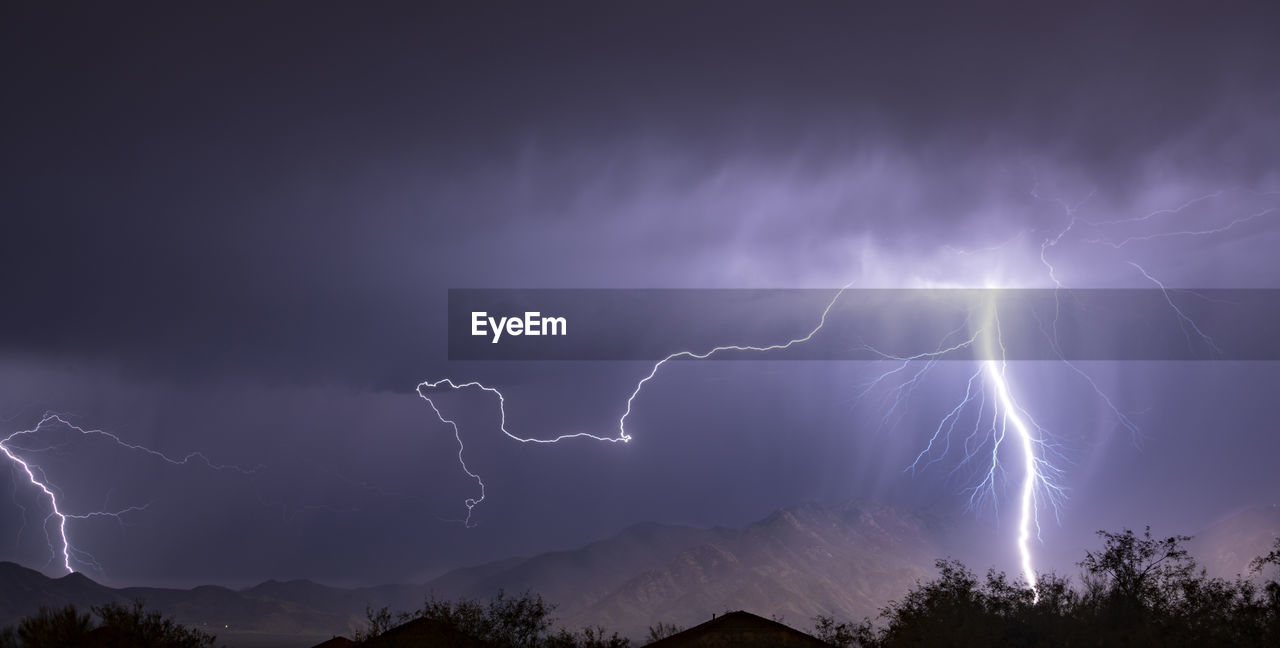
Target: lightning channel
(59,516)
(622,435)
(1001,425)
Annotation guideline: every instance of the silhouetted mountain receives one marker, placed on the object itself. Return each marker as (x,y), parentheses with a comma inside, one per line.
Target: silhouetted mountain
(795,563)
(25,590)
(1227,547)
(577,579)
(799,562)
(339,601)
(844,561)
(226,612)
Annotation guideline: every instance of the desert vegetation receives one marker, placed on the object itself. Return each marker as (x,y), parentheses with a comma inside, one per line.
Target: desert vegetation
(116,626)
(523,621)
(1136,591)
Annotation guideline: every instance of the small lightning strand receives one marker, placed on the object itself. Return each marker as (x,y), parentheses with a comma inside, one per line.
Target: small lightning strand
(1205,232)
(1183,319)
(13,481)
(903,392)
(990,248)
(1162,212)
(42,483)
(953,416)
(822,321)
(188,458)
(1124,420)
(118,515)
(1052,337)
(623,436)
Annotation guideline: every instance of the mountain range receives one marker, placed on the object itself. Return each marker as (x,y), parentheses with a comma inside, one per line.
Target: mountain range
(846,561)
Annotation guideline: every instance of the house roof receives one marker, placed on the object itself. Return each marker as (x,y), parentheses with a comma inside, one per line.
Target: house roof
(740,630)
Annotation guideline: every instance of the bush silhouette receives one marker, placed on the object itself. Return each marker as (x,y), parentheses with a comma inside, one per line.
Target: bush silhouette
(1136,591)
(662,631)
(53,627)
(134,626)
(120,626)
(523,621)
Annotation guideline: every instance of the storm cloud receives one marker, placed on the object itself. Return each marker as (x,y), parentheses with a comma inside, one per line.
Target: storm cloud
(233,229)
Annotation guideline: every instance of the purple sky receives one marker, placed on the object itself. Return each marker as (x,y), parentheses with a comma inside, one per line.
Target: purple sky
(232,229)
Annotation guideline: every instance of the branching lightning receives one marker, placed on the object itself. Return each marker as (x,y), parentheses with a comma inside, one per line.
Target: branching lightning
(19,456)
(622,435)
(985,428)
(989,397)
(993,424)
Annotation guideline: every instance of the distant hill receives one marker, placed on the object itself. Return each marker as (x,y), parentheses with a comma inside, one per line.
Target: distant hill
(846,560)
(1227,547)
(223,611)
(23,591)
(579,578)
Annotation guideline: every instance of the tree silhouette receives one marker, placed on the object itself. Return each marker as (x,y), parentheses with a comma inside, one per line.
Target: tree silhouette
(523,621)
(1137,591)
(120,626)
(53,627)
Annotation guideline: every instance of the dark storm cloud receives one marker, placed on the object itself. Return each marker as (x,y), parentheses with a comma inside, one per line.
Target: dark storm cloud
(289,188)
(228,228)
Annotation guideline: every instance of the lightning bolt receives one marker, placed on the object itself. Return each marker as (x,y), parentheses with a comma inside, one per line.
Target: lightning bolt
(39,480)
(622,436)
(1001,425)
(1031,471)
(989,397)
(1037,472)
(990,383)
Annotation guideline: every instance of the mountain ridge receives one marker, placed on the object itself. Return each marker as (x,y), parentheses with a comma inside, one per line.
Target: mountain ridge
(598,580)
(845,561)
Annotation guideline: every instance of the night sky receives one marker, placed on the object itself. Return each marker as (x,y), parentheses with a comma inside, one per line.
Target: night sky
(231,229)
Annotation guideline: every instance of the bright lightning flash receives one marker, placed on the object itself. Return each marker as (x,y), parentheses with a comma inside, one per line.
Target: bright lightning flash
(992,426)
(988,397)
(988,392)
(1032,475)
(39,480)
(622,436)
